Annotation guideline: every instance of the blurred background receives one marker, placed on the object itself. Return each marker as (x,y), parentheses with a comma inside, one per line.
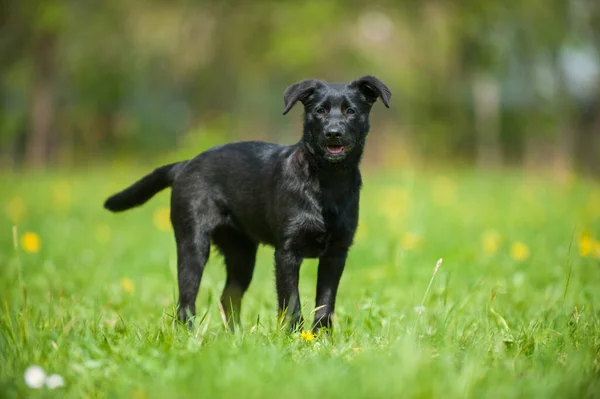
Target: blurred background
(485,84)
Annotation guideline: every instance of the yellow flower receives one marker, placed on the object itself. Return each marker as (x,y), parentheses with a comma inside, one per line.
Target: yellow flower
(519,251)
(490,242)
(16,209)
(394,203)
(307,336)
(588,246)
(162,218)
(410,240)
(444,191)
(127,285)
(31,242)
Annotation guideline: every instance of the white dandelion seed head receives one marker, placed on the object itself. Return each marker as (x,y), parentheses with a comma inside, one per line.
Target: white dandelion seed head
(55,381)
(518,279)
(35,377)
(419,309)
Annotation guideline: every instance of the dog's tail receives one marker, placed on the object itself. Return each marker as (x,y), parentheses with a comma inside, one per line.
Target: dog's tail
(145,188)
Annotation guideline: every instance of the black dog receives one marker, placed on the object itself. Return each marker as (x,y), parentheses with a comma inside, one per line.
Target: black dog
(301,199)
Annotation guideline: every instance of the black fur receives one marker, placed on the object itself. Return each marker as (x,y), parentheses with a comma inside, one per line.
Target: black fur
(302,199)
(144,189)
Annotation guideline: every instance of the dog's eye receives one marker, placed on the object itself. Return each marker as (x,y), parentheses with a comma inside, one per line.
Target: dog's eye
(321,111)
(350,111)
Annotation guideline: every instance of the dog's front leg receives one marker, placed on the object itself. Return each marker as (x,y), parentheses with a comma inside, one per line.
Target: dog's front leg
(287,274)
(331,266)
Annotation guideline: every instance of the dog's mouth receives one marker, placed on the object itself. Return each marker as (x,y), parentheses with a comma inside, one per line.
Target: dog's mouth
(335,149)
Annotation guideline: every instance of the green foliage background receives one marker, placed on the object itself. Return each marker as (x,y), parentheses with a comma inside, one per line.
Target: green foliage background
(482,83)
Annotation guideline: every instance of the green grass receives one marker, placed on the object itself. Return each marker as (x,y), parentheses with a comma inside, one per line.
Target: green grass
(95,303)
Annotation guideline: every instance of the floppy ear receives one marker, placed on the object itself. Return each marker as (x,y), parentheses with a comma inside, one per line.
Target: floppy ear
(372,88)
(299,92)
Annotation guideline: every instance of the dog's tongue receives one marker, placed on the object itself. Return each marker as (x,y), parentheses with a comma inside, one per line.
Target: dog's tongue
(335,149)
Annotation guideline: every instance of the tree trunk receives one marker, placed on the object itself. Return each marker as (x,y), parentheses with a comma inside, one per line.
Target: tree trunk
(593,159)
(564,145)
(42,109)
(486,98)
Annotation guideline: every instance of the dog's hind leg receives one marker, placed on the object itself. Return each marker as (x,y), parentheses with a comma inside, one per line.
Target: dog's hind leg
(192,234)
(240,257)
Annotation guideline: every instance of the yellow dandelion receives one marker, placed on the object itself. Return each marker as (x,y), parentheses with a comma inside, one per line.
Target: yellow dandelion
(586,244)
(519,251)
(61,193)
(127,285)
(31,242)
(490,242)
(307,336)
(162,218)
(410,240)
(16,209)
(394,203)
(444,191)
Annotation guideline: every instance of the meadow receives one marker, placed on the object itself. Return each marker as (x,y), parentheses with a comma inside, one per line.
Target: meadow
(513,310)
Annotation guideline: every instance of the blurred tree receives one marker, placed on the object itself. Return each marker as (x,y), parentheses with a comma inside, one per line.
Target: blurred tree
(47,19)
(481,82)
(14,37)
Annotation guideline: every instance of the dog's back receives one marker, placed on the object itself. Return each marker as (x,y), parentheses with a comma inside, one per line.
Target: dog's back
(240,180)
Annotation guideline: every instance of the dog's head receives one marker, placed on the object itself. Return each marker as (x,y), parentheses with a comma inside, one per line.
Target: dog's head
(336,116)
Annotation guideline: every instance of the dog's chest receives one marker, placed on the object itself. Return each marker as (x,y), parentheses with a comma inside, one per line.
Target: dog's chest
(307,234)
(314,211)
(311,229)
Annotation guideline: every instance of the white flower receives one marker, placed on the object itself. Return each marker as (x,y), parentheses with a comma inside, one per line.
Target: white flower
(35,377)
(419,309)
(55,381)
(518,279)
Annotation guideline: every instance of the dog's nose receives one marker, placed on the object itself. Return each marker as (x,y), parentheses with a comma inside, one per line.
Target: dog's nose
(333,133)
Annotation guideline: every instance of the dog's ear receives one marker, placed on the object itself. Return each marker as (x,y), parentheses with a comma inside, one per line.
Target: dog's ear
(372,88)
(299,92)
